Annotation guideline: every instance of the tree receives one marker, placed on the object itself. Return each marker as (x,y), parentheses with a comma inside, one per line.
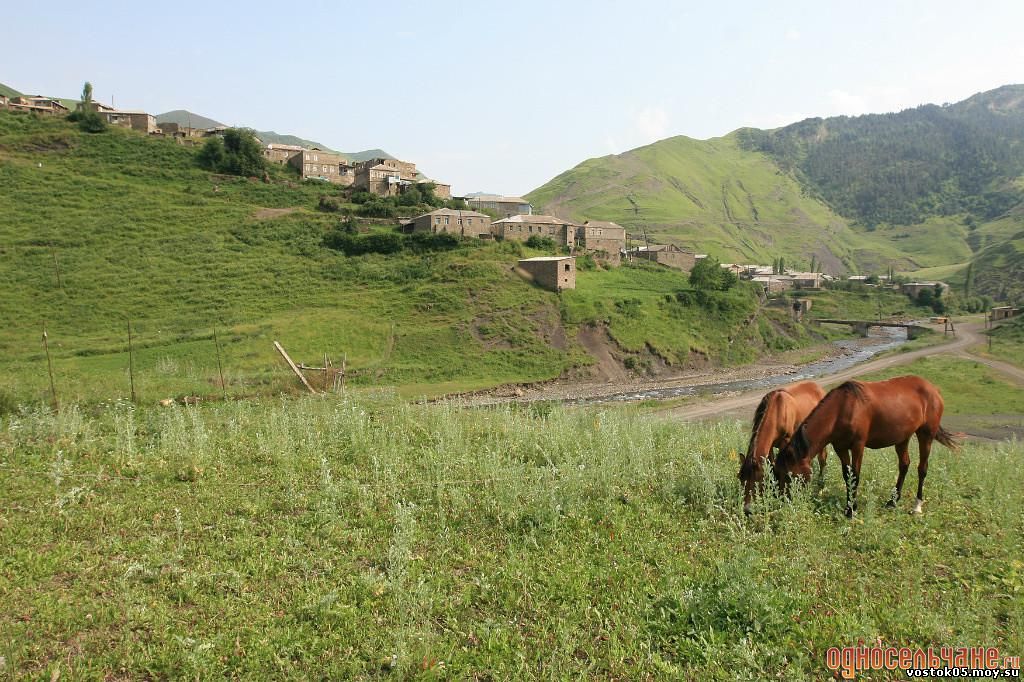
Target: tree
(88,119)
(708,274)
(239,153)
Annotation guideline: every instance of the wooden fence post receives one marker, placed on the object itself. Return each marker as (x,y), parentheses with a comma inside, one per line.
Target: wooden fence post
(298,372)
(49,366)
(220,369)
(131,360)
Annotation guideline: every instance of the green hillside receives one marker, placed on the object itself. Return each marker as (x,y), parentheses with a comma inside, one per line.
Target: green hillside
(925,191)
(715,197)
(99,229)
(907,167)
(8,91)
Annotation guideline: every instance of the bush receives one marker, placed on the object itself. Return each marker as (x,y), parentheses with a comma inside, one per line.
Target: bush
(585,262)
(91,122)
(329,204)
(376,208)
(361,197)
(538,242)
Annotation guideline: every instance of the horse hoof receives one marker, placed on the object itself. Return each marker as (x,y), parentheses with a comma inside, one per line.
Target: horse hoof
(891,504)
(849,512)
(918,507)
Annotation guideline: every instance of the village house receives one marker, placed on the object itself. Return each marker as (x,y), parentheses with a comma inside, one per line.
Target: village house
(556,273)
(1004,312)
(522,227)
(668,255)
(391,177)
(604,239)
(281,153)
(773,284)
(500,205)
(914,289)
(385,177)
(178,131)
(806,280)
(451,221)
(35,104)
(317,164)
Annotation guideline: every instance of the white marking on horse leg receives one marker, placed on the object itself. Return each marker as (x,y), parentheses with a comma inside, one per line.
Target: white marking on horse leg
(917,506)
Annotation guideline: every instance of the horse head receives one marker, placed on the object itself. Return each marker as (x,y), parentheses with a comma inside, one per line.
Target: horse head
(792,461)
(752,476)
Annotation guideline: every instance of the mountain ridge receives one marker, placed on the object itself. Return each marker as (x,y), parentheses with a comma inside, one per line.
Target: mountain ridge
(187,118)
(929,187)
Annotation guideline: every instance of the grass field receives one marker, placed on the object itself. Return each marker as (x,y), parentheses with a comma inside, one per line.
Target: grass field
(347,539)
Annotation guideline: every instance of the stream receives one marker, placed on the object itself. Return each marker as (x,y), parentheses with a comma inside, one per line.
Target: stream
(855,353)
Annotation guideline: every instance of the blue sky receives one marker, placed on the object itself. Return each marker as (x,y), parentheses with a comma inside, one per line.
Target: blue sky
(502,97)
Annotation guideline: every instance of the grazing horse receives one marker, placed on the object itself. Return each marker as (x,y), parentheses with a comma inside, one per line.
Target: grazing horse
(873,414)
(775,421)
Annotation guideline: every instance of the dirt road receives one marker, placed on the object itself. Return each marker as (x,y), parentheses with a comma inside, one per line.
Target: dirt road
(742,405)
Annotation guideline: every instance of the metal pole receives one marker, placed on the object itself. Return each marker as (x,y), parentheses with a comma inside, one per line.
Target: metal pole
(49,366)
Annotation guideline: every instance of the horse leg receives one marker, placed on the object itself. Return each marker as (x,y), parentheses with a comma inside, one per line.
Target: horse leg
(844,459)
(903,453)
(851,488)
(924,446)
(821,464)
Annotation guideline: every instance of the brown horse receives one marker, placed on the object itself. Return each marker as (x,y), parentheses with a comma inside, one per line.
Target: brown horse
(873,414)
(775,421)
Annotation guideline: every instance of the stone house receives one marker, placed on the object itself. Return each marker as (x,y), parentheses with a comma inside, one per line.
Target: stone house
(522,227)
(501,205)
(317,164)
(773,283)
(806,280)
(914,289)
(281,153)
(385,177)
(36,104)
(668,255)
(556,273)
(604,239)
(1004,312)
(451,221)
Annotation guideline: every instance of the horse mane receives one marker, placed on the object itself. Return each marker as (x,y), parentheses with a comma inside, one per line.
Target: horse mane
(759,413)
(799,441)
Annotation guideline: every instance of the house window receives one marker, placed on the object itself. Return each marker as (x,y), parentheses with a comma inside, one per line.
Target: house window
(437,220)
(460,221)
(567,267)
(446,220)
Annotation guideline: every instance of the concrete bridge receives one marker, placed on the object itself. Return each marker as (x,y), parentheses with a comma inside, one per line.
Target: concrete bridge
(862,326)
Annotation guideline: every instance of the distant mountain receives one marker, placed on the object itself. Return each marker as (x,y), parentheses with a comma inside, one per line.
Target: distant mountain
(929,189)
(906,167)
(187,118)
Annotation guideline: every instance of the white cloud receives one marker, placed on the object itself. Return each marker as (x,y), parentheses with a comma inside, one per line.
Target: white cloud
(651,124)
(842,102)
(793,34)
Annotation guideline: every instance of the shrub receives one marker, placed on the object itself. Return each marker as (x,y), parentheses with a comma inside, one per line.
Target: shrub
(329,204)
(376,209)
(538,242)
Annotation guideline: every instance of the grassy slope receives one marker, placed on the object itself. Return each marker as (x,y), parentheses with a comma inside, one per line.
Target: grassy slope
(8,91)
(140,232)
(348,540)
(715,197)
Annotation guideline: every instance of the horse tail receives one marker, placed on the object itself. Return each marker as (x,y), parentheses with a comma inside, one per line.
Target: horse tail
(950,440)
